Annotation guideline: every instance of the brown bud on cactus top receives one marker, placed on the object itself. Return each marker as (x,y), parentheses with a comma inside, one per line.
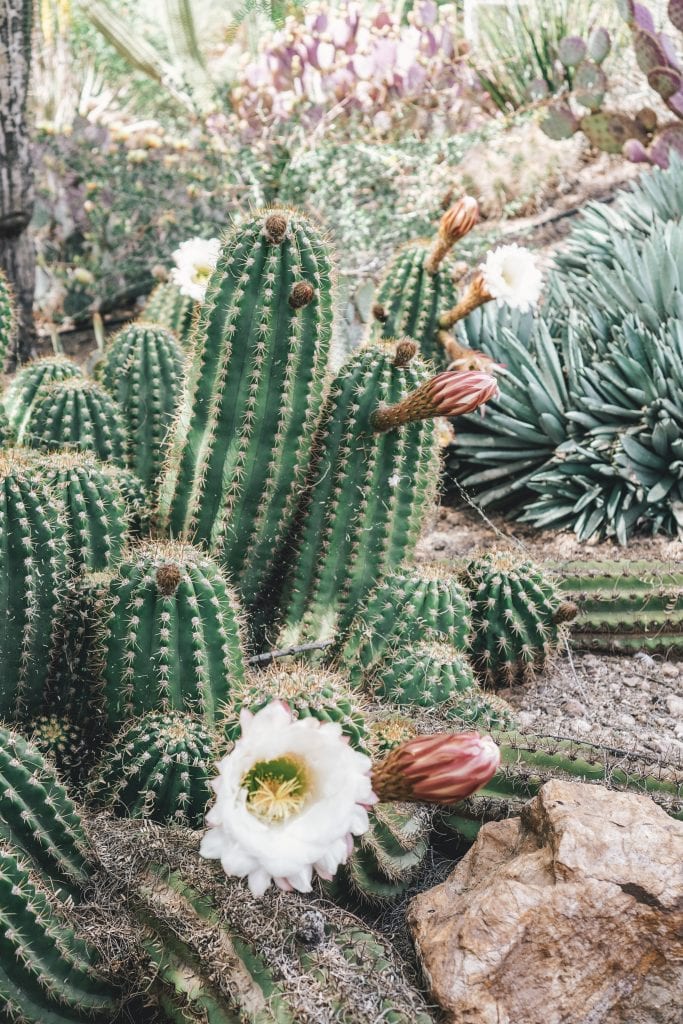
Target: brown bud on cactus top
(565,612)
(275,228)
(405,351)
(301,294)
(440,769)
(455,224)
(168,578)
(451,393)
(380,314)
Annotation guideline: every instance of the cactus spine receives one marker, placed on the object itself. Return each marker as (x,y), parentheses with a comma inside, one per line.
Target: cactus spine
(171,635)
(239,454)
(158,768)
(25,386)
(142,368)
(95,510)
(370,487)
(168,307)
(77,413)
(517,617)
(625,607)
(33,566)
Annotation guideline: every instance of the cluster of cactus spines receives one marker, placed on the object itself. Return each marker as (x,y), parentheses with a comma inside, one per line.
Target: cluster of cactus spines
(369,491)
(38,819)
(527,762)
(171,635)
(240,451)
(143,369)
(49,974)
(94,508)
(517,617)
(387,857)
(426,674)
(34,564)
(310,692)
(170,308)
(77,413)
(159,767)
(625,606)
(641,138)
(25,386)
(62,741)
(420,286)
(409,606)
(8,320)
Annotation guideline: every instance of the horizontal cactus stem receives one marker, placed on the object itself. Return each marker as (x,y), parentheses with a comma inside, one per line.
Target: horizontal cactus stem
(476,295)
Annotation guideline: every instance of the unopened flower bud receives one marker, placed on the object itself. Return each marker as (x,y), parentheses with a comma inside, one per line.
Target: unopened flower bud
(439,769)
(455,224)
(451,393)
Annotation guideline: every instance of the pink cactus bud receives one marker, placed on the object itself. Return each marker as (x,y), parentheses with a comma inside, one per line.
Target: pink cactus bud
(439,769)
(451,393)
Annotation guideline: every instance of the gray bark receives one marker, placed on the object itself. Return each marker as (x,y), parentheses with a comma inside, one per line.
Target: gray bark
(17,253)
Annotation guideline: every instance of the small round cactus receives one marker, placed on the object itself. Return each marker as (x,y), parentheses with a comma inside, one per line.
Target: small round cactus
(159,767)
(29,382)
(77,413)
(309,691)
(518,616)
(427,675)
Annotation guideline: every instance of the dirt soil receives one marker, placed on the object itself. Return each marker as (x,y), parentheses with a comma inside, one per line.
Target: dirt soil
(634,703)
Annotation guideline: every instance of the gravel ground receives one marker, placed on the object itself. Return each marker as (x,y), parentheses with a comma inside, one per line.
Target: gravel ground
(634,703)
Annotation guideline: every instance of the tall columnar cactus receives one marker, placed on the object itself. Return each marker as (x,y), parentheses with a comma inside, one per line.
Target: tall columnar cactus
(142,368)
(310,692)
(529,761)
(34,561)
(159,768)
(625,607)
(242,445)
(170,308)
(8,320)
(373,478)
(94,506)
(25,386)
(408,606)
(38,820)
(77,413)
(171,635)
(387,857)
(517,617)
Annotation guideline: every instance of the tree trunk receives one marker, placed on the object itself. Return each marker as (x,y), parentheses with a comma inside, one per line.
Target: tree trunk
(17,254)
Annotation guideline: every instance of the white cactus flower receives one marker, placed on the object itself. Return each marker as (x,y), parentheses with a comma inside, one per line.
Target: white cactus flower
(511,274)
(290,796)
(195,261)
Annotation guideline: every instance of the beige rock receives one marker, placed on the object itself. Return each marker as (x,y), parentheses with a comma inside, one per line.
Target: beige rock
(571,914)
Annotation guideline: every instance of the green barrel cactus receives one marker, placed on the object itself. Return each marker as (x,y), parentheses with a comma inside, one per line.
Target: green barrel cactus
(29,382)
(427,674)
(527,762)
(171,635)
(373,478)
(239,455)
(34,564)
(49,975)
(38,820)
(408,606)
(94,506)
(386,859)
(159,767)
(310,692)
(517,617)
(8,320)
(411,298)
(171,309)
(625,606)
(77,413)
(143,369)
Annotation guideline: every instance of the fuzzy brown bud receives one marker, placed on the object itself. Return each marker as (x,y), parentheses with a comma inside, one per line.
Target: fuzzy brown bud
(275,228)
(168,578)
(380,314)
(406,350)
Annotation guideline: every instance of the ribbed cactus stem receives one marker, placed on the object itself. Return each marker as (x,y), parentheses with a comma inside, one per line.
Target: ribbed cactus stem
(455,224)
(29,382)
(8,320)
(476,294)
(77,413)
(451,393)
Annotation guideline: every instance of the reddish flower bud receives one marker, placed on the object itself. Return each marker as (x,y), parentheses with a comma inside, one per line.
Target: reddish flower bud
(455,224)
(450,393)
(439,769)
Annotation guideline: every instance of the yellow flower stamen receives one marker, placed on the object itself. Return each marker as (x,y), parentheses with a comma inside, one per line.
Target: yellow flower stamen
(277,789)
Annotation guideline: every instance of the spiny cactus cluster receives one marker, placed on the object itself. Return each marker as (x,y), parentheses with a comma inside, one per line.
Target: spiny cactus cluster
(8,320)
(124,656)
(587,432)
(641,138)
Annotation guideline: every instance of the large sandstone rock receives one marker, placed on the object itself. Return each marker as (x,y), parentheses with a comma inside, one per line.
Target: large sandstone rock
(571,914)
